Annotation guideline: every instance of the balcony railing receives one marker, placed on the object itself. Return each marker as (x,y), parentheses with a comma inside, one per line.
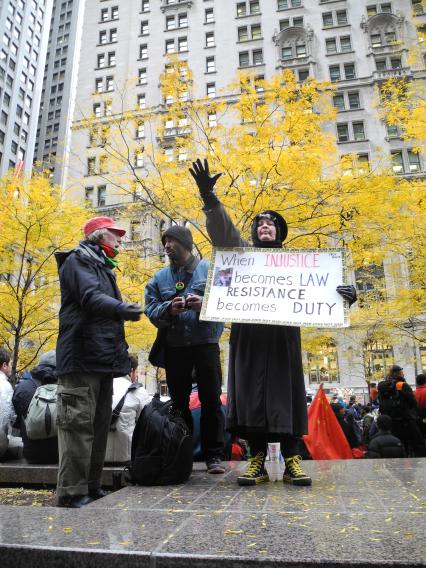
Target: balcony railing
(385,74)
(174,5)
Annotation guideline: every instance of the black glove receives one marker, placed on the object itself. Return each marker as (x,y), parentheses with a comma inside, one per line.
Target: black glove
(348,293)
(205,182)
(131,312)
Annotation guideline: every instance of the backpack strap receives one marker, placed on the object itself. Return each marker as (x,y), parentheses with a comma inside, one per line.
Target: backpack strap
(120,403)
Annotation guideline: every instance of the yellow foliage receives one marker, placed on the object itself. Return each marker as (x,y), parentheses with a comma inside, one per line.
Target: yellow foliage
(404,105)
(271,140)
(36,222)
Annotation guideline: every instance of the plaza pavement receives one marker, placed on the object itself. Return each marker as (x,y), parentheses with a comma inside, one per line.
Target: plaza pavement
(363,513)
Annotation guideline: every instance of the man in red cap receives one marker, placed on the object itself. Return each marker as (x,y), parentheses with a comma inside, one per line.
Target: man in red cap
(91,350)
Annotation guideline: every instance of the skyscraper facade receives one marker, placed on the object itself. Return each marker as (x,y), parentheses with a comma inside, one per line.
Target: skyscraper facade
(59,84)
(24,27)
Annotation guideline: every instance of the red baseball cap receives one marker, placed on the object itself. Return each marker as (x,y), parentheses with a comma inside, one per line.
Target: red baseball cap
(101,223)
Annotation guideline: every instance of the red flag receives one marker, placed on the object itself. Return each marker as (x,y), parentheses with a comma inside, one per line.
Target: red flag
(326,440)
(18,170)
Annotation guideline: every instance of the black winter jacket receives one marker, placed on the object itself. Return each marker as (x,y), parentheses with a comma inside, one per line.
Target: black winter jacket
(385,445)
(91,328)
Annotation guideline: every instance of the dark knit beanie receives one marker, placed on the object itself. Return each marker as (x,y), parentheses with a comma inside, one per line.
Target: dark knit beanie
(279,222)
(180,234)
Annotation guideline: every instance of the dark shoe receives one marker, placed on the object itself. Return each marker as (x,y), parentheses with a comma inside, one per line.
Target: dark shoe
(255,472)
(214,465)
(293,473)
(74,501)
(97,493)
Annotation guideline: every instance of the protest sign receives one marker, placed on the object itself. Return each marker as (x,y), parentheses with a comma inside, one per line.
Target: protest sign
(276,286)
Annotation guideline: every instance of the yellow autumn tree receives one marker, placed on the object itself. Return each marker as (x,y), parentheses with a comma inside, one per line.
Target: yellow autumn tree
(404,105)
(403,101)
(134,271)
(274,143)
(36,222)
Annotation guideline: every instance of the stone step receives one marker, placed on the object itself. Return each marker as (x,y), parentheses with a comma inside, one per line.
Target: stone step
(19,472)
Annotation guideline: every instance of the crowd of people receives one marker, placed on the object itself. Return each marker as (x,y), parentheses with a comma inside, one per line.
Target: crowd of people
(392,424)
(92,377)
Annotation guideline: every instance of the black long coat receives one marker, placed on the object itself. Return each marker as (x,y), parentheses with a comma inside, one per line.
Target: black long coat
(266,388)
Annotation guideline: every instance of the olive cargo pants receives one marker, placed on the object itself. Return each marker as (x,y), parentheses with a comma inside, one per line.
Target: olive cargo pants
(84,410)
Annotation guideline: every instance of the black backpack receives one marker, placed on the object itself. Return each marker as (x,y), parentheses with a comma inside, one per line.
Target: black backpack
(389,399)
(161,446)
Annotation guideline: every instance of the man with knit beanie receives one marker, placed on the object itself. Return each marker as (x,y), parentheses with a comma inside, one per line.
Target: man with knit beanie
(173,300)
(91,350)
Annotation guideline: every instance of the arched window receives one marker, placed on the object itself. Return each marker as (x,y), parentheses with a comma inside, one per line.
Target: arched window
(294,45)
(378,358)
(323,365)
(384,31)
(422,350)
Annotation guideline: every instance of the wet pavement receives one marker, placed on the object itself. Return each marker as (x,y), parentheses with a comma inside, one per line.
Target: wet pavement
(357,513)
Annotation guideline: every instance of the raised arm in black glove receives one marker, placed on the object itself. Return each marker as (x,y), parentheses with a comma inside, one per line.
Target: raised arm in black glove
(205,182)
(348,292)
(130,312)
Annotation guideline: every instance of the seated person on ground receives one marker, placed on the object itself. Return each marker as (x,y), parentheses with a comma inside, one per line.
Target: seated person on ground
(7,414)
(44,450)
(384,444)
(121,430)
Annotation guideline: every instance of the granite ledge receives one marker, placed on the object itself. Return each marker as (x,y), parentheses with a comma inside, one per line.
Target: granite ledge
(16,556)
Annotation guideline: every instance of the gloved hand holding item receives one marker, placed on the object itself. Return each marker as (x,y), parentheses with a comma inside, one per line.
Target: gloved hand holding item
(205,181)
(131,312)
(348,292)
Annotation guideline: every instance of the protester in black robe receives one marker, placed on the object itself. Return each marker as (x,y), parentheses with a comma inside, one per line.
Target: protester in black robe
(266,388)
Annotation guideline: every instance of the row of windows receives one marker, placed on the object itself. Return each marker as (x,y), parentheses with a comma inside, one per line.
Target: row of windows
(335,18)
(333,45)
(18,131)
(354,131)
(13,50)
(105,108)
(403,162)
(253,7)
(340,44)
(13,8)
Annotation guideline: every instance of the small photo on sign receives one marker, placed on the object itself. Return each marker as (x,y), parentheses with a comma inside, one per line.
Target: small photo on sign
(222,277)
